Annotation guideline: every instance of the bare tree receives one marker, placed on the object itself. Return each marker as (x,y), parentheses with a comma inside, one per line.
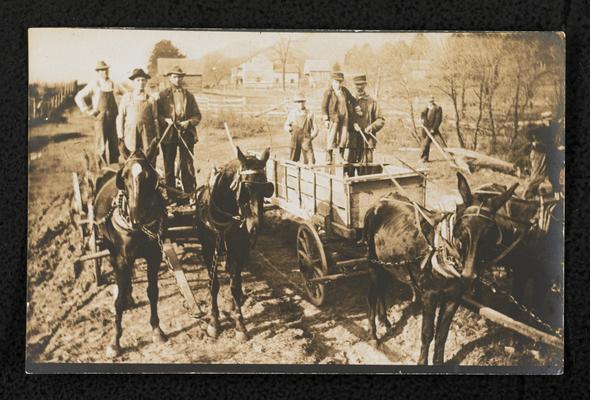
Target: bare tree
(281,48)
(452,82)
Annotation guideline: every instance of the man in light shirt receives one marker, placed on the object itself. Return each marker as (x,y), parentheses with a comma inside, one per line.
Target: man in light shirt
(103,108)
(137,122)
(301,125)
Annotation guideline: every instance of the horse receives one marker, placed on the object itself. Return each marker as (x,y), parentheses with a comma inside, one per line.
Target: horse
(531,242)
(228,218)
(397,229)
(131,214)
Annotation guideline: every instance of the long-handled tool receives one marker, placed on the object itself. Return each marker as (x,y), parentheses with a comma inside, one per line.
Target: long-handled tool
(449,158)
(229,136)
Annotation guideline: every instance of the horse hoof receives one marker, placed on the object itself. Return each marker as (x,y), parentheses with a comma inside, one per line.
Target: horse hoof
(113,351)
(158,336)
(212,331)
(242,336)
(374,343)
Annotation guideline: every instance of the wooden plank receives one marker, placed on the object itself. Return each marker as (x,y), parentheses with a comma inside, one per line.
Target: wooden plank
(512,324)
(340,215)
(185,290)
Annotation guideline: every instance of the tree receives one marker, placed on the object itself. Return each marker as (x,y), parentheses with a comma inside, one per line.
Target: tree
(453,83)
(162,49)
(281,48)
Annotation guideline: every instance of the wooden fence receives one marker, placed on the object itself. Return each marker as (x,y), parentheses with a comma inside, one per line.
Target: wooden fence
(44,99)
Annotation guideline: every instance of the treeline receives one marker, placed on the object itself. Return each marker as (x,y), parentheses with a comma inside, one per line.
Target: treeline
(495,83)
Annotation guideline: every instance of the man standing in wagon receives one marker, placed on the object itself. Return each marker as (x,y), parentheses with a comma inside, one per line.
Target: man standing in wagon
(370,121)
(338,106)
(179,116)
(103,108)
(137,122)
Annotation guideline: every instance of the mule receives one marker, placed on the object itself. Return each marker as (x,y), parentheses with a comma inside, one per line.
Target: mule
(228,219)
(529,244)
(397,229)
(130,210)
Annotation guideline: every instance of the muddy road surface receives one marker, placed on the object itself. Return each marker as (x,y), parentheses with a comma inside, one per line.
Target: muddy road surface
(70,319)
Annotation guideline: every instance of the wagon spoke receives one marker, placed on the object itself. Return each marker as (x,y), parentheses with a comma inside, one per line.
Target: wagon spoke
(309,261)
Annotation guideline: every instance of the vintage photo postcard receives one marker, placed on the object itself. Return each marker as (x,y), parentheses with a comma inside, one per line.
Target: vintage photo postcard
(295,201)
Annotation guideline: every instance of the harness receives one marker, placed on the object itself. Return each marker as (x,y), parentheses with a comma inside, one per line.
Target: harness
(214,217)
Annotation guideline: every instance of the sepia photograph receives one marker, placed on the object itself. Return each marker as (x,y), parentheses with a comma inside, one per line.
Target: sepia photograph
(231,199)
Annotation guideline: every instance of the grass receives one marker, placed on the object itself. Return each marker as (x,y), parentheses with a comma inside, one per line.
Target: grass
(241,125)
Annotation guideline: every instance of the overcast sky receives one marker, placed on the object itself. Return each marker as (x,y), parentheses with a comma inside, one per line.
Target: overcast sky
(63,54)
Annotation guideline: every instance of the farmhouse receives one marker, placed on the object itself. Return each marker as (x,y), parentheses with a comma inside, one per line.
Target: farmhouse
(259,72)
(193,81)
(317,72)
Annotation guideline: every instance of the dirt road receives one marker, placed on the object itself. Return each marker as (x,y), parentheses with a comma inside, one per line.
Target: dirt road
(71,320)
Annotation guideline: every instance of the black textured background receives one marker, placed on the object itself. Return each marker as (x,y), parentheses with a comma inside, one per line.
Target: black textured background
(571,16)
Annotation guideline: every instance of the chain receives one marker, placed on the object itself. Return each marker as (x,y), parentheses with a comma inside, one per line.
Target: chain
(494,289)
(395,264)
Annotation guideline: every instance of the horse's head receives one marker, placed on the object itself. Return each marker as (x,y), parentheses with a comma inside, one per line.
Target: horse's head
(476,226)
(252,187)
(139,181)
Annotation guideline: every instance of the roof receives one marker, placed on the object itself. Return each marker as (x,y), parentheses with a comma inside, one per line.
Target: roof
(316,65)
(190,67)
(289,68)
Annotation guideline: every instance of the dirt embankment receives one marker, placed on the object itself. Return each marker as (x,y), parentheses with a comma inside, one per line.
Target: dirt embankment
(71,320)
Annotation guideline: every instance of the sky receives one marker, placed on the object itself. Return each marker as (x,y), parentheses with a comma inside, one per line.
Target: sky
(64,54)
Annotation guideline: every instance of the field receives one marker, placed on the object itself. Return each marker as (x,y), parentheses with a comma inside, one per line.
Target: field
(71,320)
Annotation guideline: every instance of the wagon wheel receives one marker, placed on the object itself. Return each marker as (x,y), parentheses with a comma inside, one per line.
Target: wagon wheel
(312,262)
(92,244)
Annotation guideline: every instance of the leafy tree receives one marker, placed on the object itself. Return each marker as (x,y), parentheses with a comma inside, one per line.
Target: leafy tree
(162,49)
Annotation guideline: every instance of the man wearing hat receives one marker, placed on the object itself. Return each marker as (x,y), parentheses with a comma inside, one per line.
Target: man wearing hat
(301,125)
(431,120)
(179,116)
(137,122)
(338,106)
(546,157)
(103,108)
(370,121)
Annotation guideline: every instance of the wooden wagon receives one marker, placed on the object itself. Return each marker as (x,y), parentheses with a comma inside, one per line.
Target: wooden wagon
(331,201)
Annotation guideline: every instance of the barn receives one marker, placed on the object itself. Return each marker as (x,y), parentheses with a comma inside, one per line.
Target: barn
(193,81)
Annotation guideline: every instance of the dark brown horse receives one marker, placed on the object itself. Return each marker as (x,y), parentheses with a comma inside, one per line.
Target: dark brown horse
(530,245)
(228,219)
(397,229)
(130,211)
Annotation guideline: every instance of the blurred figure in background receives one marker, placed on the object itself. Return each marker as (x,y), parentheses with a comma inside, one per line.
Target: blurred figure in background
(431,120)
(546,155)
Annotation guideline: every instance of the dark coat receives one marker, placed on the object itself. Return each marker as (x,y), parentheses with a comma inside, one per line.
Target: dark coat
(191,113)
(433,119)
(330,105)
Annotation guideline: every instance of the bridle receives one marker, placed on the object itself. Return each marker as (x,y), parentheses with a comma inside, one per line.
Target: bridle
(120,212)
(236,186)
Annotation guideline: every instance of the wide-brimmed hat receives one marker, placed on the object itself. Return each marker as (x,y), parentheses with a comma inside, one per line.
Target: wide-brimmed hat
(298,98)
(359,79)
(100,65)
(175,71)
(338,76)
(546,114)
(138,72)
